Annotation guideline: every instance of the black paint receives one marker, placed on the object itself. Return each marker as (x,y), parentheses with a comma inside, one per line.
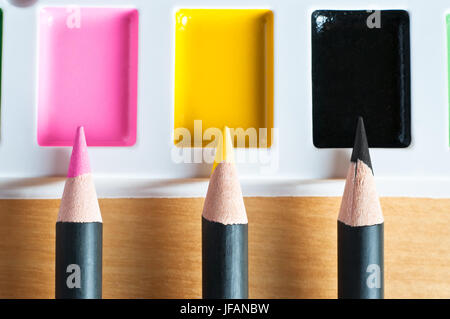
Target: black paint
(361,146)
(80,244)
(225,260)
(360,71)
(359,247)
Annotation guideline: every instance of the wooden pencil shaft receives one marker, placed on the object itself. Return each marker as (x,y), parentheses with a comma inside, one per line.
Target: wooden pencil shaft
(360,261)
(225,260)
(78,272)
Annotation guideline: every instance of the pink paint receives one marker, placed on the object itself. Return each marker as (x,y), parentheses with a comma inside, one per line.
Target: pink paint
(79,160)
(88,60)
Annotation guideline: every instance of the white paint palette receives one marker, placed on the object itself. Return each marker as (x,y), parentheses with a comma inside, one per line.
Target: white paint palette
(151,165)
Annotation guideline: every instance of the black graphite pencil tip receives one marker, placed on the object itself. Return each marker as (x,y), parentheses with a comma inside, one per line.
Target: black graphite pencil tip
(361,146)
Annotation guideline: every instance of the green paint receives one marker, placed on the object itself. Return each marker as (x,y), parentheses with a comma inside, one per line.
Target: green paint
(448,59)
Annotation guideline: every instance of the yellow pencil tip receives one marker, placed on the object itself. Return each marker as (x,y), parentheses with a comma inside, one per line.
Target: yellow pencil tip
(224,151)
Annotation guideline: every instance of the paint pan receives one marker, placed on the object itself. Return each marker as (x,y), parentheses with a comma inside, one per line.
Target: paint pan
(224,74)
(361,67)
(87,75)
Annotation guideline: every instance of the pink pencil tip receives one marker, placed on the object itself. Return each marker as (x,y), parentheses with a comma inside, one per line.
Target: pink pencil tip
(79,160)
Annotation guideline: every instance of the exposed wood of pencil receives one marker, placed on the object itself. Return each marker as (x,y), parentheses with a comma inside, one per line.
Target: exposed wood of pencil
(144,239)
(360,204)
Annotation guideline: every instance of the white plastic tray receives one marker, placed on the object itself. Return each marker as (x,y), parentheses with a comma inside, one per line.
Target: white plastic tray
(297,167)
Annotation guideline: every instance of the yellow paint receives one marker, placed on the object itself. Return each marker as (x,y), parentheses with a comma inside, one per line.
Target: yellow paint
(224,71)
(224,151)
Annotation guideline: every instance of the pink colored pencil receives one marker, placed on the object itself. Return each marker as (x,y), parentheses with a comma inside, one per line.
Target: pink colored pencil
(79,230)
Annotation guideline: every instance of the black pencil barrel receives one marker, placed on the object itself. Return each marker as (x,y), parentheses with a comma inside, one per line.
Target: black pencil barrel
(360,261)
(78,260)
(225,260)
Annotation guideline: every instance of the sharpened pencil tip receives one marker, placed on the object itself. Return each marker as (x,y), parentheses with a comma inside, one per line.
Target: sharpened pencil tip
(361,146)
(79,202)
(224,151)
(79,160)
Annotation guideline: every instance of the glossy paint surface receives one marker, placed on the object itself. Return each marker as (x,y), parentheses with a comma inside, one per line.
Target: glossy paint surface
(87,75)
(361,67)
(223,70)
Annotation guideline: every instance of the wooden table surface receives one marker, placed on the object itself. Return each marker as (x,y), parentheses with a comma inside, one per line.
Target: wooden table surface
(152,247)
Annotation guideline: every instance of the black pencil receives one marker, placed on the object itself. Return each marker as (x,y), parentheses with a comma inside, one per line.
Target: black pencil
(360,228)
(224,230)
(78,272)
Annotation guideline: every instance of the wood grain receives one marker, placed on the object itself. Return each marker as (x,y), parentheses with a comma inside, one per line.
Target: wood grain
(152,247)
